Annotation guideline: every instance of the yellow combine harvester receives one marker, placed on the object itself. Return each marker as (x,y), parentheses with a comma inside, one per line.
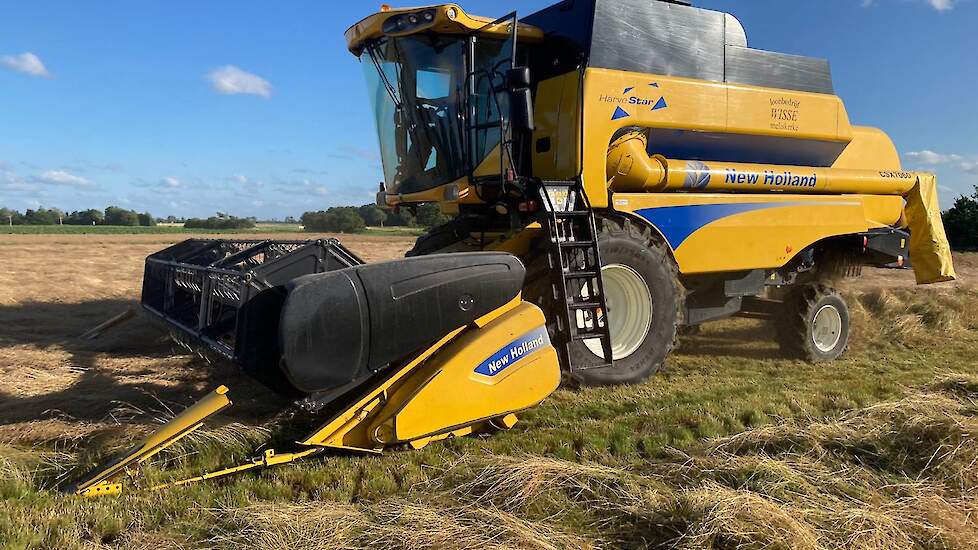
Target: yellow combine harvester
(616,170)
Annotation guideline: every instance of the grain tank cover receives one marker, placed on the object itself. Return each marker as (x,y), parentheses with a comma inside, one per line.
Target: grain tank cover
(670,39)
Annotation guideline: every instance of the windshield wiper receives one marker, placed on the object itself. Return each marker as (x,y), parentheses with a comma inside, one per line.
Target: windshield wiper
(391,90)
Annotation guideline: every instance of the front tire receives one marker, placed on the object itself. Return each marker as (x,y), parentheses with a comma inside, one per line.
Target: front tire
(814,325)
(642,285)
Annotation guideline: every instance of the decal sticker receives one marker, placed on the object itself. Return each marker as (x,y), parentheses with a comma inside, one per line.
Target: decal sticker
(515,351)
(632,99)
(697,175)
(785,113)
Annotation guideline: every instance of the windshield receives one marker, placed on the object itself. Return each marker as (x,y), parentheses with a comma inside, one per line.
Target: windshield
(416,88)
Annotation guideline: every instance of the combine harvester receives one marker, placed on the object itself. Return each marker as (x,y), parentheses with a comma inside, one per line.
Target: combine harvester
(617,170)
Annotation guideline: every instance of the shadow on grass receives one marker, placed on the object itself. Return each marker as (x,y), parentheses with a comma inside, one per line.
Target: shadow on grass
(732,338)
(134,366)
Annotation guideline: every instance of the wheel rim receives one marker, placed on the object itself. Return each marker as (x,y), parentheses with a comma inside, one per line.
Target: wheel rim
(827,328)
(629,311)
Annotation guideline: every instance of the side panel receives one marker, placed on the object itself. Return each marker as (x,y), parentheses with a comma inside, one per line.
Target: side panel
(505,367)
(614,100)
(870,149)
(711,233)
(556,147)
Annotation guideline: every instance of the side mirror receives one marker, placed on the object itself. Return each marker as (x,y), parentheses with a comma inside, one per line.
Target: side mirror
(520,99)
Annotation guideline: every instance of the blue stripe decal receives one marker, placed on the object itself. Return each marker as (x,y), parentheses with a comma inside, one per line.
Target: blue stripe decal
(677,223)
(514,351)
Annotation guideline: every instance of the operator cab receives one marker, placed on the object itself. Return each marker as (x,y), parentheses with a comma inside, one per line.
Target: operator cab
(441,84)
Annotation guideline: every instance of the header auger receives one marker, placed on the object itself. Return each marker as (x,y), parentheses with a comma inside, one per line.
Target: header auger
(616,170)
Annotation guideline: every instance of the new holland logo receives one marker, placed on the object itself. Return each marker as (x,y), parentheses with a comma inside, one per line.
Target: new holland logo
(697,175)
(633,99)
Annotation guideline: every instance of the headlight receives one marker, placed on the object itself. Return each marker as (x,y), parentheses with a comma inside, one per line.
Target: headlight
(409,21)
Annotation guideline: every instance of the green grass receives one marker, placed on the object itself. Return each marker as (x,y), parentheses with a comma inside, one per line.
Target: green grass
(730,447)
(395,231)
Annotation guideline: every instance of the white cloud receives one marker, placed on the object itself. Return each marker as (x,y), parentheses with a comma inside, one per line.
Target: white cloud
(232,80)
(931,158)
(168,185)
(239,178)
(939,5)
(61,177)
(26,63)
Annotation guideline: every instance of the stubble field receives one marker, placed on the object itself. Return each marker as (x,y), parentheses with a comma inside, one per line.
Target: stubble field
(732,446)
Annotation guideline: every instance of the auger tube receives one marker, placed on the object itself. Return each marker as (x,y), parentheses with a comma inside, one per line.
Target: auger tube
(632,169)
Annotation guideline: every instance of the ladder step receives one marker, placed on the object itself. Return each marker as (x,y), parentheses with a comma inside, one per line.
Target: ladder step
(585,305)
(577,244)
(572,214)
(591,335)
(580,275)
(593,367)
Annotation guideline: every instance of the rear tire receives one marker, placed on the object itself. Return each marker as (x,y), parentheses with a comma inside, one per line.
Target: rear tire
(639,262)
(814,325)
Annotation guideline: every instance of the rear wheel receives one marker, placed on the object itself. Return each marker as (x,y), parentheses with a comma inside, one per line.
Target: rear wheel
(814,325)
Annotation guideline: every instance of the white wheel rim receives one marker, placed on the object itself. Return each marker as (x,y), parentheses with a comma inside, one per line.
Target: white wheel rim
(827,328)
(629,315)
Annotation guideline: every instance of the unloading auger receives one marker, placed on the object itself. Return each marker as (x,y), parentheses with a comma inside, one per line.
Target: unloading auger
(400,353)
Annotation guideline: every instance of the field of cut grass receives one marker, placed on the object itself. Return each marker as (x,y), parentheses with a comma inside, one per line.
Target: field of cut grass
(732,446)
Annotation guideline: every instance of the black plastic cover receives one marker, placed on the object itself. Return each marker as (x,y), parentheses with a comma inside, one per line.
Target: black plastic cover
(341,327)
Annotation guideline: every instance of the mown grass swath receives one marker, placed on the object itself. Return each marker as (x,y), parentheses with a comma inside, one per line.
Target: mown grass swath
(732,447)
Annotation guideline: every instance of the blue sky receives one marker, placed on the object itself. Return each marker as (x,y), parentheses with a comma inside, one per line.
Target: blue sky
(256,108)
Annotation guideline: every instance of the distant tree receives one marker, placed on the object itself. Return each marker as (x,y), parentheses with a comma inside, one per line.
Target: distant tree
(120,216)
(291,219)
(11,217)
(146,219)
(41,216)
(85,217)
(172,219)
(429,215)
(226,222)
(961,222)
(401,217)
(339,219)
(372,215)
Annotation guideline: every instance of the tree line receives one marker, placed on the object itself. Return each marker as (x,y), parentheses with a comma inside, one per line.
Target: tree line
(112,215)
(961,222)
(349,219)
(338,219)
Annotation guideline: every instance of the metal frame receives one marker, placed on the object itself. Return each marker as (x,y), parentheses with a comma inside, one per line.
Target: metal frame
(201,287)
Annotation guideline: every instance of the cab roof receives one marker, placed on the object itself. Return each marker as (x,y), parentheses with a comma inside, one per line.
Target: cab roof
(440,18)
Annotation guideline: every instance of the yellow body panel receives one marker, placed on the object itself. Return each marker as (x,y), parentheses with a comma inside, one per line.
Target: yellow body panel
(439,394)
(719,232)
(870,148)
(688,104)
(451,384)
(557,116)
